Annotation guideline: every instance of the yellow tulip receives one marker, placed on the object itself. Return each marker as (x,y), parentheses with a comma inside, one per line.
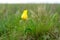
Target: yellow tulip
(24,15)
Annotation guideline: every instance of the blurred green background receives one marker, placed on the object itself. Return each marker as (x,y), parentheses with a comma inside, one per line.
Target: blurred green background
(43,22)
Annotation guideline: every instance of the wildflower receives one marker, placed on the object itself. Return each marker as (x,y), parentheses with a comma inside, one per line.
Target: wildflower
(24,15)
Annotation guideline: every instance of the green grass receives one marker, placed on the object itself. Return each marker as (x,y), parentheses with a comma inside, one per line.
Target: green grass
(42,24)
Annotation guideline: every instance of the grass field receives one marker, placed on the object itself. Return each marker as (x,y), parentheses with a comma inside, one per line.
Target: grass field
(43,22)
